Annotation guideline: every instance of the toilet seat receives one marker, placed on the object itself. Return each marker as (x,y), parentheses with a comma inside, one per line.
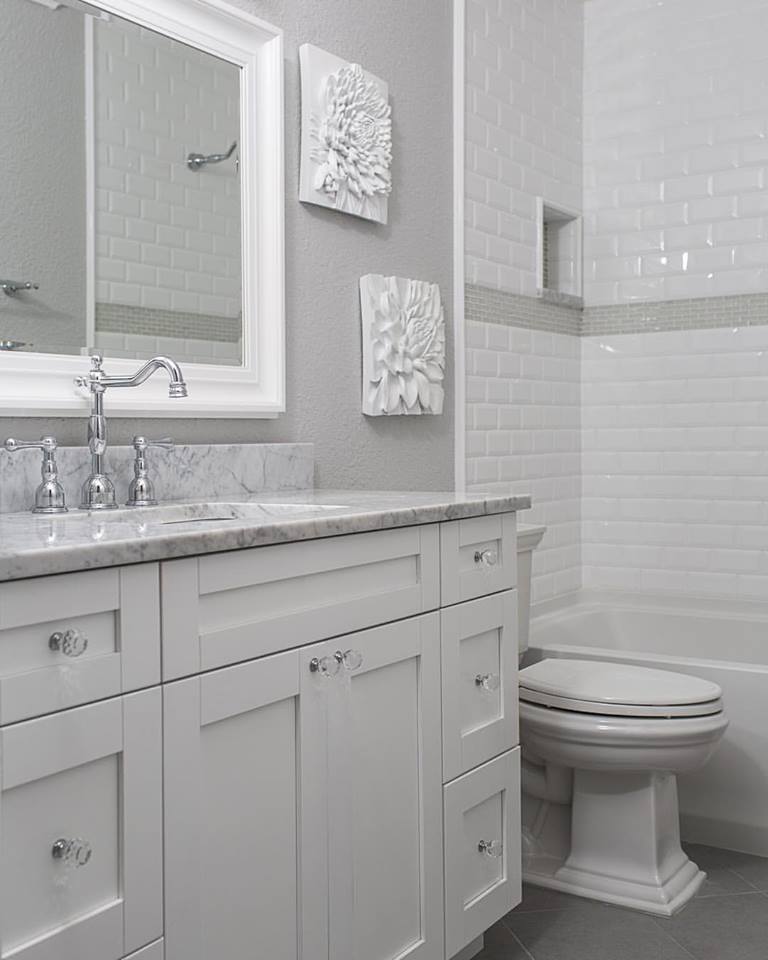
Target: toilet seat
(617,690)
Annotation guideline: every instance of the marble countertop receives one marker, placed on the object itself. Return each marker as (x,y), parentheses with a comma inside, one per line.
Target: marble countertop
(34,546)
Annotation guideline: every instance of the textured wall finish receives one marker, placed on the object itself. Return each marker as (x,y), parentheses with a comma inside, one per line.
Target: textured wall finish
(674,462)
(523,131)
(675,149)
(327,253)
(523,435)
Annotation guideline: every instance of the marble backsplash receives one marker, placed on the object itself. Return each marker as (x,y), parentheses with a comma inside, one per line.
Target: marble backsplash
(184,472)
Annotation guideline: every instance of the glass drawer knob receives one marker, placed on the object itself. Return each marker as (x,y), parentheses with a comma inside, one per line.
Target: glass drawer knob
(326,667)
(74,852)
(491,848)
(486,558)
(488,681)
(72,643)
(350,659)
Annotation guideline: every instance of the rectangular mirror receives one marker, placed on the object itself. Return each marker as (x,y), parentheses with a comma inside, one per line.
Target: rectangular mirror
(139,140)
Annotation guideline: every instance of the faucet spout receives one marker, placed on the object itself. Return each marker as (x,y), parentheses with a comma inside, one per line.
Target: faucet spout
(176,388)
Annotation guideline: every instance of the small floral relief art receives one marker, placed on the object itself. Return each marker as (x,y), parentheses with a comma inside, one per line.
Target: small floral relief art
(346,136)
(403,346)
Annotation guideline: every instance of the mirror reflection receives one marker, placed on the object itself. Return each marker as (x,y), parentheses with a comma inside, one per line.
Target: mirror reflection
(120,206)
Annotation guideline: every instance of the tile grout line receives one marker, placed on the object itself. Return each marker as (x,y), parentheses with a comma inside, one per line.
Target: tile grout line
(744,879)
(517,939)
(674,940)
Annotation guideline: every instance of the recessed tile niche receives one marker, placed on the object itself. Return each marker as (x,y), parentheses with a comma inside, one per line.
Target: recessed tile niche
(559,251)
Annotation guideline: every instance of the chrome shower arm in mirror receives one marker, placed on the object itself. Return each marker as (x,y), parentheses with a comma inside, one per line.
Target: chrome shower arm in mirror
(196,161)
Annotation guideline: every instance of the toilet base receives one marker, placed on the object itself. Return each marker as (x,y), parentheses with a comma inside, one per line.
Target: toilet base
(624,844)
(542,872)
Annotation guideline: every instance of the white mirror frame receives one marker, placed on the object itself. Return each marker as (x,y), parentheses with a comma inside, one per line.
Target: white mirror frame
(38,384)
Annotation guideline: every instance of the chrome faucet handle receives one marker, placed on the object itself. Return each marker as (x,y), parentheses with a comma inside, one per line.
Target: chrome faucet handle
(140,444)
(141,491)
(87,381)
(49,496)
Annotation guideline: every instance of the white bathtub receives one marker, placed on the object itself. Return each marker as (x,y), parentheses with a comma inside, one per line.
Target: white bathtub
(726,803)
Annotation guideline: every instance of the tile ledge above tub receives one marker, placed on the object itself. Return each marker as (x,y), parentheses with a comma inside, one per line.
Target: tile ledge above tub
(34,546)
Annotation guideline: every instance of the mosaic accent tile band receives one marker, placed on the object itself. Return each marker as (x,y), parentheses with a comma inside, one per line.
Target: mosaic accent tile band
(124,318)
(487,305)
(700,313)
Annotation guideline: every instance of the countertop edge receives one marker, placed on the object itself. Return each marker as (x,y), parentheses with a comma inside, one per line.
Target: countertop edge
(53,560)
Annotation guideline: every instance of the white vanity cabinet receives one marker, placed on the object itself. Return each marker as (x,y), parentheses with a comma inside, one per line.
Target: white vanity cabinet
(336,726)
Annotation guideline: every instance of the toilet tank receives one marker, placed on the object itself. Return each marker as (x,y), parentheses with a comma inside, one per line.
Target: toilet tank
(528,538)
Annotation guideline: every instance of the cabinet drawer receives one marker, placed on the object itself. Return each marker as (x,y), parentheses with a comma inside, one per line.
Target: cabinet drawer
(478,556)
(225,608)
(479,677)
(482,882)
(81,831)
(78,637)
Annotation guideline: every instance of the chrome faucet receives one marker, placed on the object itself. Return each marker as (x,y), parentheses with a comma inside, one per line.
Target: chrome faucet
(98,490)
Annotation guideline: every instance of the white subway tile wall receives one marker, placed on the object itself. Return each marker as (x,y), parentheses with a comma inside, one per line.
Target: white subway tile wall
(134,346)
(675,149)
(523,131)
(523,435)
(167,237)
(675,462)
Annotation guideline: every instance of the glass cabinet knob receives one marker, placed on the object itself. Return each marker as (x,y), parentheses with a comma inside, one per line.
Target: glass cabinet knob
(326,667)
(350,659)
(488,681)
(486,558)
(74,852)
(72,643)
(491,848)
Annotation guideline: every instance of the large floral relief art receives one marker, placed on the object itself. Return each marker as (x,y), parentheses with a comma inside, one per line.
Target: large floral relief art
(346,136)
(403,346)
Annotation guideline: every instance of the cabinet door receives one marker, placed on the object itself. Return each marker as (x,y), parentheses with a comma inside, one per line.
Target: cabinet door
(479,670)
(81,832)
(384,790)
(233,816)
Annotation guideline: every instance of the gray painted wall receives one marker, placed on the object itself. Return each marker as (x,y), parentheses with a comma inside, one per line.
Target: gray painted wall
(409,44)
(42,175)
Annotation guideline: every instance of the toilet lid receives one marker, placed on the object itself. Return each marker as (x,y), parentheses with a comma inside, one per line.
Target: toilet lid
(596,686)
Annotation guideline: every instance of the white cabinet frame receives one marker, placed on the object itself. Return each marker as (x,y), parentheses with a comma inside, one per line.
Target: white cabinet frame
(43,384)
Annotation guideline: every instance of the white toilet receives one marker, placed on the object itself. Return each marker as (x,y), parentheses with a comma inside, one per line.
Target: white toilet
(602,746)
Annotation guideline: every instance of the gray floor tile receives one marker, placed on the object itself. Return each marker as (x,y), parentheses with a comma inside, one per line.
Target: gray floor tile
(594,932)
(501,944)
(750,869)
(539,898)
(722,928)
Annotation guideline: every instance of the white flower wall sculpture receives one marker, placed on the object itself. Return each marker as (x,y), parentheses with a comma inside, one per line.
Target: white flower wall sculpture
(346,149)
(403,346)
